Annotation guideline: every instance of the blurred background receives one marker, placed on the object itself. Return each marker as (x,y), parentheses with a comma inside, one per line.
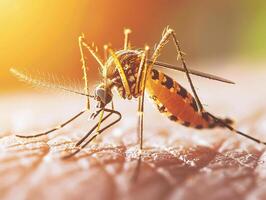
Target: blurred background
(42,35)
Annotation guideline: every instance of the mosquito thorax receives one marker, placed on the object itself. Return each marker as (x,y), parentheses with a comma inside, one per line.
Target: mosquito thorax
(130,61)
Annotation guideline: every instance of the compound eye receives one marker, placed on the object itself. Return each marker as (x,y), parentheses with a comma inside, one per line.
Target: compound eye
(104,96)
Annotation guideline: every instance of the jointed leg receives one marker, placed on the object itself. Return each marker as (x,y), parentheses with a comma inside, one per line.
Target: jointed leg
(140,122)
(199,104)
(97,133)
(121,72)
(165,38)
(140,73)
(93,53)
(140,87)
(105,52)
(126,40)
(84,68)
(93,128)
(169,32)
(111,111)
(219,121)
(54,129)
(142,84)
(140,99)
(82,43)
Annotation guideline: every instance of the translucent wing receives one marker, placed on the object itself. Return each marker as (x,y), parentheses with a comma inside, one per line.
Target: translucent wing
(191,71)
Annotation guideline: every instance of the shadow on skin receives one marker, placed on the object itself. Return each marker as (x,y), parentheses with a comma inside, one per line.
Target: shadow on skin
(186,169)
(33,169)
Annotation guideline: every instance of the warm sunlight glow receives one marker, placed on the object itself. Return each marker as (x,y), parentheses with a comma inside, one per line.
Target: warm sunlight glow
(43,35)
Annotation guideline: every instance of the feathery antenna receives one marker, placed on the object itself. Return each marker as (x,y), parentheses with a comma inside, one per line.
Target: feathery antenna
(51,84)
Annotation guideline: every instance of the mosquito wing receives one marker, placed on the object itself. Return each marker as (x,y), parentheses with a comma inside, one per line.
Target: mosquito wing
(192,71)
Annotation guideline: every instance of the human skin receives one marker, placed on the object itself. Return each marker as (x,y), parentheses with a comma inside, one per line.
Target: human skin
(177,162)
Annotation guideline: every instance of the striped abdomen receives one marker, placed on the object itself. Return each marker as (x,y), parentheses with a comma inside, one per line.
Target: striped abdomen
(176,103)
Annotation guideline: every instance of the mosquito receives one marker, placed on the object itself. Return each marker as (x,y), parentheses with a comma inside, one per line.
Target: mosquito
(131,73)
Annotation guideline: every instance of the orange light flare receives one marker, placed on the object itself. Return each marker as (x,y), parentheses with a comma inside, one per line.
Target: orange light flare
(43,35)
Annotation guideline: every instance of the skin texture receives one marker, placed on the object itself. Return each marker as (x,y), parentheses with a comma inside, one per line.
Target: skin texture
(177,162)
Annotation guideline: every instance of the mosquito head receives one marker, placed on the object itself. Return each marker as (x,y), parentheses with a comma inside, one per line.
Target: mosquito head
(103,95)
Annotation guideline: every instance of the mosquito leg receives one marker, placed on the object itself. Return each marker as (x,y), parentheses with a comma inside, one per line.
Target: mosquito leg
(165,39)
(94,114)
(126,40)
(93,128)
(140,73)
(234,130)
(141,97)
(93,53)
(105,48)
(98,133)
(181,55)
(84,68)
(137,91)
(54,129)
(141,82)
(121,71)
(140,121)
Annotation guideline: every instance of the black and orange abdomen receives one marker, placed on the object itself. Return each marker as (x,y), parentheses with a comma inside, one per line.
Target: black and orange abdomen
(175,102)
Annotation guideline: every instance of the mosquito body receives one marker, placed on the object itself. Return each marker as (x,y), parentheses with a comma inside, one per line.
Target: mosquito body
(132,73)
(170,98)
